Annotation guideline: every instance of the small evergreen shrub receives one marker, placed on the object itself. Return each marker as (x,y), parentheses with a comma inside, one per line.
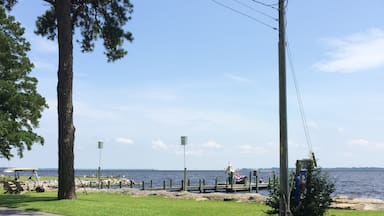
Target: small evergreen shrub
(314,198)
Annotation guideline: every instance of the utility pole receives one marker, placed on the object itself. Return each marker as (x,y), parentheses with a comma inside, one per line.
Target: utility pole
(284,195)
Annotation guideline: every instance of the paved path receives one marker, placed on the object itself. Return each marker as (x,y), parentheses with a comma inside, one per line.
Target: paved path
(19,212)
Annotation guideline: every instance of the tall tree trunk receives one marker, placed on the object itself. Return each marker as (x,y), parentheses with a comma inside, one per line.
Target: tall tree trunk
(64,98)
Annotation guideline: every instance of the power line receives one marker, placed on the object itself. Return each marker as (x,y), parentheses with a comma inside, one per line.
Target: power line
(244,14)
(266,5)
(299,100)
(258,11)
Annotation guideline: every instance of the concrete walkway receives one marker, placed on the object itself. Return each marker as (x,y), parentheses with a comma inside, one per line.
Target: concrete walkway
(19,212)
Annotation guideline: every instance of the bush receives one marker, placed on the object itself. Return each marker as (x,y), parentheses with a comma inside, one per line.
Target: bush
(313,199)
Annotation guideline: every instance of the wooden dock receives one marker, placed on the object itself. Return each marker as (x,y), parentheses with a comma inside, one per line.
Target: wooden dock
(222,188)
(250,184)
(202,187)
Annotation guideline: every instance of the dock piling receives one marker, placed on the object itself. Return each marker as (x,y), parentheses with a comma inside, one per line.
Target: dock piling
(216,183)
(256,182)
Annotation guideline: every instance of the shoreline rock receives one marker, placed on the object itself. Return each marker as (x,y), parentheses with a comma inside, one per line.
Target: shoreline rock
(344,202)
(340,202)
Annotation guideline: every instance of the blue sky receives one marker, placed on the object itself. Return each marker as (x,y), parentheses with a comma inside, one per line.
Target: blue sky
(198,69)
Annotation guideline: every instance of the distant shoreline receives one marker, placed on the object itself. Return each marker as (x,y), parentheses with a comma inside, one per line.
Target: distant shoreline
(208,170)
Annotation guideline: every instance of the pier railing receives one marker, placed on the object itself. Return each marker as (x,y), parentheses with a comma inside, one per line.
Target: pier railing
(251,184)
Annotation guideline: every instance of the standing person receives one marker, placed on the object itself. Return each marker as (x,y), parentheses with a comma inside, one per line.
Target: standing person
(230,170)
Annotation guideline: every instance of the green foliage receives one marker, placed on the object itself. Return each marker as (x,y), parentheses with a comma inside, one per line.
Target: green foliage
(95,19)
(8,4)
(21,106)
(273,200)
(314,200)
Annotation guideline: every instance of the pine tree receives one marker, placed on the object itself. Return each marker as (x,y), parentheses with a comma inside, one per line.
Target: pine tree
(95,19)
(21,105)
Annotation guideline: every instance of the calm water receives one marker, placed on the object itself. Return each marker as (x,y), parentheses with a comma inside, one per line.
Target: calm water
(354,182)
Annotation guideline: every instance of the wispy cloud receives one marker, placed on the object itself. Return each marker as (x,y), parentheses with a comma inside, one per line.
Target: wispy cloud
(367,144)
(252,149)
(212,145)
(359,142)
(159,145)
(354,53)
(237,78)
(193,149)
(125,141)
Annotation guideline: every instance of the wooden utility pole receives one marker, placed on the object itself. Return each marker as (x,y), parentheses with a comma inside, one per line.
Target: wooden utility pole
(284,195)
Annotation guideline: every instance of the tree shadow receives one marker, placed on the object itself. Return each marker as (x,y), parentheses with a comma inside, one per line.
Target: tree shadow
(14,211)
(17,200)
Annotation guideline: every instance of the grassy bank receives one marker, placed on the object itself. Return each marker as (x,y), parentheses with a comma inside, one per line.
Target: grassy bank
(119,204)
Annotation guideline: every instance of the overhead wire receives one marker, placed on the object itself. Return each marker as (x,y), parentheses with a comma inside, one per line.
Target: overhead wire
(246,15)
(298,92)
(256,10)
(292,69)
(266,5)
(299,99)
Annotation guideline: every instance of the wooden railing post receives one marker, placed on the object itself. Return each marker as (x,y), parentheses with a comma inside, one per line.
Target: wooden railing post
(216,183)
(257,182)
(204,185)
(250,181)
(232,181)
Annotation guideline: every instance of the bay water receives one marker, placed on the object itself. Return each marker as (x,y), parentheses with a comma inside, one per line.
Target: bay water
(352,182)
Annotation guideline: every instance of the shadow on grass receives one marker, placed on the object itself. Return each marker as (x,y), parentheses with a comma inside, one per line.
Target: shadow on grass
(19,200)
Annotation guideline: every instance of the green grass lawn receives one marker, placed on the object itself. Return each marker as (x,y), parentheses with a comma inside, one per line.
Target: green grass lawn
(117,204)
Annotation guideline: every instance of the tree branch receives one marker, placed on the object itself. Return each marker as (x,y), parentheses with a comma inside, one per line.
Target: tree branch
(52,2)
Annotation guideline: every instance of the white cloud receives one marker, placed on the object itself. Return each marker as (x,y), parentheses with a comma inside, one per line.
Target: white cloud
(354,53)
(237,78)
(359,142)
(126,141)
(159,145)
(252,149)
(367,145)
(213,145)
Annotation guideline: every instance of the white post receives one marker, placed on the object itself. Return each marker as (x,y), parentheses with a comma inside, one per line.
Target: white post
(99,146)
(184,141)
